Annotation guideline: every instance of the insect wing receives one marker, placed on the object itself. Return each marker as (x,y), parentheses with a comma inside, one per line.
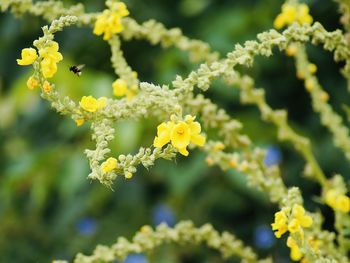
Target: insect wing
(80,67)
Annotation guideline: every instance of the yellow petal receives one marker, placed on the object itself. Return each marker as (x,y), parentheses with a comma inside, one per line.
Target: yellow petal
(28,57)
(198,139)
(306,221)
(120,87)
(88,103)
(48,67)
(343,203)
(183,151)
(195,127)
(180,135)
(79,122)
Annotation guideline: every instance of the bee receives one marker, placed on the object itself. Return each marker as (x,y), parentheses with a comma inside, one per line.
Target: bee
(77,69)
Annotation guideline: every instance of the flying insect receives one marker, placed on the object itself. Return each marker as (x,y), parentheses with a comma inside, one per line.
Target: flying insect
(77,69)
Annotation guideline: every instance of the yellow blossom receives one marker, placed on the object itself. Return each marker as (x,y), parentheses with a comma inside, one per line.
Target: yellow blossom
(47,87)
(50,57)
(303,14)
(294,226)
(120,87)
(50,51)
(337,201)
(32,83)
(79,122)
(180,134)
(181,137)
(295,252)
(91,104)
(343,203)
(163,134)
(298,213)
(109,22)
(48,68)
(280,224)
(28,56)
(109,165)
(293,13)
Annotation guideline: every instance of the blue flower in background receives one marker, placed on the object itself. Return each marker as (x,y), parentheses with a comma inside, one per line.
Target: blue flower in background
(136,258)
(263,237)
(87,226)
(273,156)
(163,214)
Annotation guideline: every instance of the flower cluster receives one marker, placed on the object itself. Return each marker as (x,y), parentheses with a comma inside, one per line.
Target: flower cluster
(338,201)
(292,220)
(109,22)
(180,134)
(91,104)
(49,57)
(293,13)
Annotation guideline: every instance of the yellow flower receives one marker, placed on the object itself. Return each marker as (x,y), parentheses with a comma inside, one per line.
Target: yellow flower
(295,252)
(343,203)
(337,201)
(50,57)
(48,68)
(28,56)
(299,214)
(50,51)
(163,134)
(280,224)
(293,13)
(294,226)
(181,134)
(181,137)
(120,87)
(109,22)
(303,14)
(109,165)
(120,8)
(47,87)
(79,122)
(219,146)
(91,104)
(32,83)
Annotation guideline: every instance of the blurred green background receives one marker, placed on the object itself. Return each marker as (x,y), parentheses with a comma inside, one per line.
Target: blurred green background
(48,208)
